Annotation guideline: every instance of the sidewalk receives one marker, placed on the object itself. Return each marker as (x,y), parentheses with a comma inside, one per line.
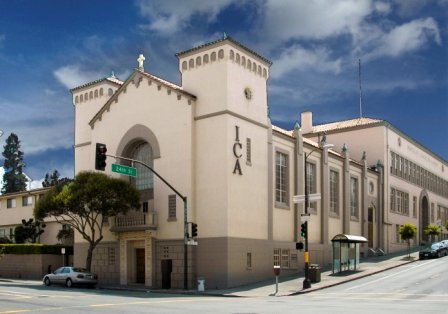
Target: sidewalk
(287,286)
(294,285)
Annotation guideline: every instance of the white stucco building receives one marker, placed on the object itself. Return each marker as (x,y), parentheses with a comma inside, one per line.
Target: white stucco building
(415,186)
(212,139)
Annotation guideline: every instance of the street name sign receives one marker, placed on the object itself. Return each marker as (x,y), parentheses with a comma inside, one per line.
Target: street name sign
(298,199)
(125,170)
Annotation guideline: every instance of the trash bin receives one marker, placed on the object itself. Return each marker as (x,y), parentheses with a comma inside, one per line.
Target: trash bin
(201,284)
(314,273)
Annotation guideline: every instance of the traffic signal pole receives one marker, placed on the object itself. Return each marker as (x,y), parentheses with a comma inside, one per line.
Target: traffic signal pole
(184,199)
(306,281)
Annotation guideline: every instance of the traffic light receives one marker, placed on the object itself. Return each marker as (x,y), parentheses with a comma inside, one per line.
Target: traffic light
(194,230)
(303,230)
(100,156)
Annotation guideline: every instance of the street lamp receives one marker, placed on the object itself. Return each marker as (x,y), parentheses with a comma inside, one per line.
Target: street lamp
(306,281)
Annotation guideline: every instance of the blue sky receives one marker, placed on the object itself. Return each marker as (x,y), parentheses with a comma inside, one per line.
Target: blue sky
(49,46)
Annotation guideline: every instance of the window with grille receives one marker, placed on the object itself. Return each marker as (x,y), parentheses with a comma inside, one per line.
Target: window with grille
(354,197)
(311,182)
(249,260)
(172,206)
(248,151)
(334,192)
(277,253)
(399,202)
(11,203)
(281,178)
(27,200)
(285,259)
(111,256)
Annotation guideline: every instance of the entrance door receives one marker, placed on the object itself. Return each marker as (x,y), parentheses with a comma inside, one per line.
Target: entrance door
(370,226)
(424,214)
(140,265)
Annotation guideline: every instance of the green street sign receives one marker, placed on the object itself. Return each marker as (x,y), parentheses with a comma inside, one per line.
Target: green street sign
(127,171)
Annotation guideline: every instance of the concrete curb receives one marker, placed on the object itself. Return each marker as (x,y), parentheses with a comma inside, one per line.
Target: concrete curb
(350,279)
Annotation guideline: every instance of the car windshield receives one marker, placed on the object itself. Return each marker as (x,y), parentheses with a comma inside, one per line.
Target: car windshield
(435,246)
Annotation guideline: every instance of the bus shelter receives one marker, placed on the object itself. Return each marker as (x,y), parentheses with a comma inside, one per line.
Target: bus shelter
(346,252)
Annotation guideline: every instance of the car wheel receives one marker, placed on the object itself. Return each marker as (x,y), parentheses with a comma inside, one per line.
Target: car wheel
(47,281)
(69,283)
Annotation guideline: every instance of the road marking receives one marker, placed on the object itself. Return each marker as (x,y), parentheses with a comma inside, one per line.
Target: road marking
(111,305)
(430,300)
(389,276)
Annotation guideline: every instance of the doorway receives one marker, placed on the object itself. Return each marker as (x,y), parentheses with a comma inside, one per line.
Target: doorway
(424,221)
(370,226)
(140,265)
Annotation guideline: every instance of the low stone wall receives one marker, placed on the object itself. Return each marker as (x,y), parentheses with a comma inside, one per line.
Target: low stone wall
(31,266)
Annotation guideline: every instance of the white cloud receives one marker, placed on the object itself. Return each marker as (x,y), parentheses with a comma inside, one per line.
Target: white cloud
(169,16)
(382,7)
(71,76)
(406,38)
(298,58)
(316,19)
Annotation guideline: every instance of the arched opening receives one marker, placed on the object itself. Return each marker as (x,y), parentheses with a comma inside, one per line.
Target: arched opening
(424,218)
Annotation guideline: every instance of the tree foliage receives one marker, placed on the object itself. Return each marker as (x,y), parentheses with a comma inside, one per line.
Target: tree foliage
(84,203)
(29,231)
(432,230)
(408,232)
(13,179)
(53,179)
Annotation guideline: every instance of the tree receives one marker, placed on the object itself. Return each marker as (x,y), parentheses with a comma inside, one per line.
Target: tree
(29,231)
(65,236)
(84,203)
(53,179)
(407,232)
(13,179)
(432,230)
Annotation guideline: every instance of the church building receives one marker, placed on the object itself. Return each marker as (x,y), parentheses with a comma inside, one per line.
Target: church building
(229,171)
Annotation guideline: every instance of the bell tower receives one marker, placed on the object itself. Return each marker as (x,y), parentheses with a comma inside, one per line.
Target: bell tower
(226,76)
(231,156)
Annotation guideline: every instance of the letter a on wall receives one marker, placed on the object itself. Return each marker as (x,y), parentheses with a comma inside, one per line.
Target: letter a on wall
(237,168)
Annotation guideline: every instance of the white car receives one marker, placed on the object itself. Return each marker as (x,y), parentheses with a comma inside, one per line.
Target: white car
(70,276)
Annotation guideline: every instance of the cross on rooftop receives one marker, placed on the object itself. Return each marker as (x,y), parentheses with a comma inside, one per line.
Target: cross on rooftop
(141,59)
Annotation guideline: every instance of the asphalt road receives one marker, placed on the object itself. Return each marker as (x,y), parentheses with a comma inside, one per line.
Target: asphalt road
(420,287)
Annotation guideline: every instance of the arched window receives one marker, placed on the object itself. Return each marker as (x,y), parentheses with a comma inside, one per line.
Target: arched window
(205,59)
(96,93)
(213,58)
(110,92)
(76,99)
(259,70)
(198,61)
(249,64)
(238,58)
(91,94)
(184,65)
(265,73)
(221,54)
(254,67)
(243,61)
(232,55)
(86,96)
(145,178)
(81,98)
(191,63)
(101,91)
